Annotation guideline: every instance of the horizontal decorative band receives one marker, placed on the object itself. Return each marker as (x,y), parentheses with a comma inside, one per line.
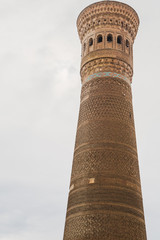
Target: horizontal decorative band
(106,74)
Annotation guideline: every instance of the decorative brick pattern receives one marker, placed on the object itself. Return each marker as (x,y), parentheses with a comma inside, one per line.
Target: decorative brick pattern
(106,145)
(106,107)
(106,74)
(104,65)
(105,131)
(94,194)
(107,87)
(105,199)
(119,15)
(120,163)
(102,226)
(105,207)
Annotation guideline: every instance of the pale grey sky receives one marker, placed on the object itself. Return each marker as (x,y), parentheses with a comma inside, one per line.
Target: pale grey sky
(39,104)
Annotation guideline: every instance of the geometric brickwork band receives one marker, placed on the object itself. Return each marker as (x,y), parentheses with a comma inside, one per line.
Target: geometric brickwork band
(106,74)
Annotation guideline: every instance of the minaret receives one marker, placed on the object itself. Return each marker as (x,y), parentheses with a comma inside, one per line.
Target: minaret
(105,199)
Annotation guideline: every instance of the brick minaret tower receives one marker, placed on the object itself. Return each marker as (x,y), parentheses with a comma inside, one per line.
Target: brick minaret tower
(105,199)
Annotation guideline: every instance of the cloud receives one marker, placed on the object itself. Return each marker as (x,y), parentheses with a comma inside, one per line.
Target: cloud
(28,211)
(39,104)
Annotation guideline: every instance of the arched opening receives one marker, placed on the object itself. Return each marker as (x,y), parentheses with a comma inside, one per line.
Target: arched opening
(90,42)
(99,39)
(127,44)
(119,40)
(109,38)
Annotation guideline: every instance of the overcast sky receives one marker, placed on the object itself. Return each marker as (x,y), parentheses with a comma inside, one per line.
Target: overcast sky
(39,104)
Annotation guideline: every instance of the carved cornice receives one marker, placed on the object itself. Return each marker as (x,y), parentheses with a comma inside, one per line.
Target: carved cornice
(108,13)
(107,53)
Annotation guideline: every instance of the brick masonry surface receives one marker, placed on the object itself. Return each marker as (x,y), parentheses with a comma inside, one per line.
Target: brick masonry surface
(105,74)
(105,199)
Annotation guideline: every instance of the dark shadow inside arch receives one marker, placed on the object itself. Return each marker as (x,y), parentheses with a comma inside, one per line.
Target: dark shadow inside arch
(90,42)
(119,40)
(109,38)
(99,39)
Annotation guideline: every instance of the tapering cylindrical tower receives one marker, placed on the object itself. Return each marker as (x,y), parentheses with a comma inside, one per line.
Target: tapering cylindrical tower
(105,199)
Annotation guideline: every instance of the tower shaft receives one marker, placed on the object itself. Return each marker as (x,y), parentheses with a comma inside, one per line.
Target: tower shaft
(105,199)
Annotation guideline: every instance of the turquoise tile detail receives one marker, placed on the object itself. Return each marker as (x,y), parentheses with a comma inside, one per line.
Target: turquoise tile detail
(106,74)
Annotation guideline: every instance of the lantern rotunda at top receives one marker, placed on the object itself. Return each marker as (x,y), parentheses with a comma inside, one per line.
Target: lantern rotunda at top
(105,13)
(107,31)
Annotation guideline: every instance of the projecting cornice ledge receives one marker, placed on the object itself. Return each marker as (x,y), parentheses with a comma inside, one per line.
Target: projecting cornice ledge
(108,13)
